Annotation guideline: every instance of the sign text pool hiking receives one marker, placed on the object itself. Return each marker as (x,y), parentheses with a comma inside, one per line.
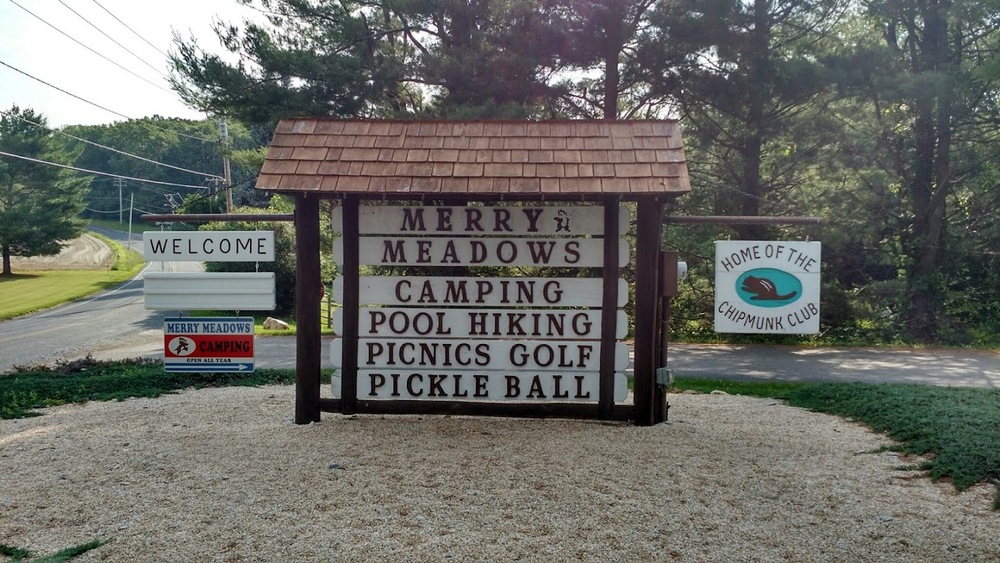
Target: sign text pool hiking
(482,338)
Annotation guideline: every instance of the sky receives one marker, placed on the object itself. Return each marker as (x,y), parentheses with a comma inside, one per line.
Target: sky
(128,79)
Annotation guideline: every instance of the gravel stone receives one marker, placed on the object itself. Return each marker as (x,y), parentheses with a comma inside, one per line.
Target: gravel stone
(224,475)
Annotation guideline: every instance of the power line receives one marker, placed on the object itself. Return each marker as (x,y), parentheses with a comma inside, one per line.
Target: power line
(208,195)
(137,34)
(15,69)
(158,190)
(144,159)
(112,39)
(78,42)
(68,167)
(64,91)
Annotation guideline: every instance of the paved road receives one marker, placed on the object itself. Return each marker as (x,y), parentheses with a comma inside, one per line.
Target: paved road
(115,325)
(973,368)
(99,325)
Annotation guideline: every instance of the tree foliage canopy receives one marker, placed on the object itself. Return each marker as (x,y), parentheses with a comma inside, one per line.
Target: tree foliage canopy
(39,203)
(880,116)
(179,158)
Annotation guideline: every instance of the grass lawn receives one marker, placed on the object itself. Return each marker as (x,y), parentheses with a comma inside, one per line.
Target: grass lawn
(19,554)
(36,290)
(90,380)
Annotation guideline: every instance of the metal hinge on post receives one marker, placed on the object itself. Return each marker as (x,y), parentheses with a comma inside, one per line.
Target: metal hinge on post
(664,377)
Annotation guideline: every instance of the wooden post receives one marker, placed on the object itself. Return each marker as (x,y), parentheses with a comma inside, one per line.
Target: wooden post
(351,304)
(649,226)
(307,303)
(609,308)
(668,289)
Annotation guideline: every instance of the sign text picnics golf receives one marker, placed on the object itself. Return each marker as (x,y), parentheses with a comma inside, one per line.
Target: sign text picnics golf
(493,336)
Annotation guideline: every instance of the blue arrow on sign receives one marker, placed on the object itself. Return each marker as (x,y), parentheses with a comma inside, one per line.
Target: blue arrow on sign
(241,367)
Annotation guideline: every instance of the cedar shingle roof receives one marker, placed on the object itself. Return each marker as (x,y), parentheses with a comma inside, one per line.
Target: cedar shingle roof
(519,158)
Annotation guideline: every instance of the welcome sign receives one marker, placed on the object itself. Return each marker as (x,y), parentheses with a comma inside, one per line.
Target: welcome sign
(767,287)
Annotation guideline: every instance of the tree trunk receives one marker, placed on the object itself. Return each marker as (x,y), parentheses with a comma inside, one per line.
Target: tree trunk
(611,79)
(751,190)
(7,272)
(930,183)
(612,51)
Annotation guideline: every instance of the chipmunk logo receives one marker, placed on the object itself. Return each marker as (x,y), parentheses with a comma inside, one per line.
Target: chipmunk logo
(768,287)
(764,289)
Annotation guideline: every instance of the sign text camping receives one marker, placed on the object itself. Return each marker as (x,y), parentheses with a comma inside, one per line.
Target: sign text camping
(483,338)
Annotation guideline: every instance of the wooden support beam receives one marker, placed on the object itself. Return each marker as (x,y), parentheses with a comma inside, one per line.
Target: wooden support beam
(212,217)
(350,306)
(649,222)
(308,288)
(668,289)
(467,408)
(609,308)
(740,220)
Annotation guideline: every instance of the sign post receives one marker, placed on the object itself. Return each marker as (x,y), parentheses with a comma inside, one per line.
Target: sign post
(209,344)
(471,198)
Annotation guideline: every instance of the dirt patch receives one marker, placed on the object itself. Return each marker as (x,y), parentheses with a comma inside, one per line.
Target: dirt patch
(86,252)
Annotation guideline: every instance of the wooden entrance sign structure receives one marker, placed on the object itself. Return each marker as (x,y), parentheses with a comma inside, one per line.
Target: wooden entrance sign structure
(463,169)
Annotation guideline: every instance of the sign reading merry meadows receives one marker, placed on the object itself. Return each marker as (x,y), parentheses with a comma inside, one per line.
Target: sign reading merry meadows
(767,287)
(482,338)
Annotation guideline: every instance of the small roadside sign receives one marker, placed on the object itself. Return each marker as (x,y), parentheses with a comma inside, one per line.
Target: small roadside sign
(208,246)
(213,344)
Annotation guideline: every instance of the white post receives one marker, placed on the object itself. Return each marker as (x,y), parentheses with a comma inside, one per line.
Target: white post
(224,135)
(130,200)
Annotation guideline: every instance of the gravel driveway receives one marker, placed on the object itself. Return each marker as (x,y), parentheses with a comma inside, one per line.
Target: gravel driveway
(224,475)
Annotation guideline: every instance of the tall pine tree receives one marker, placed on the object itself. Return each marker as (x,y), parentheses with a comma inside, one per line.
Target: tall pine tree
(933,100)
(39,203)
(748,81)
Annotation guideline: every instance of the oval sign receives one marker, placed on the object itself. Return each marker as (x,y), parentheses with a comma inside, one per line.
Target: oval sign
(181,346)
(768,287)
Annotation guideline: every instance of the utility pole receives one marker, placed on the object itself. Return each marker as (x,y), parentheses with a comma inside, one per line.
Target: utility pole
(131,202)
(224,135)
(216,182)
(120,182)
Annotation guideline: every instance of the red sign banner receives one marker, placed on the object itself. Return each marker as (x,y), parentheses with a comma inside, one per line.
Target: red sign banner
(208,346)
